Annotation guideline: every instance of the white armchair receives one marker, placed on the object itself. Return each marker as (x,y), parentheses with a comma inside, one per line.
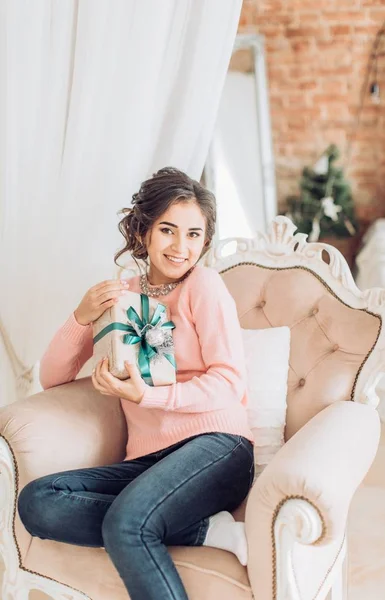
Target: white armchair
(296,512)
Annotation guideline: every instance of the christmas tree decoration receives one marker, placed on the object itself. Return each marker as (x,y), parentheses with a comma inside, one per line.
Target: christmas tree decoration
(325,204)
(322,165)
(330,209)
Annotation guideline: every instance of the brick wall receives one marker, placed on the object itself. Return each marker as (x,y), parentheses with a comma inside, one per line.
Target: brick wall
(317,53)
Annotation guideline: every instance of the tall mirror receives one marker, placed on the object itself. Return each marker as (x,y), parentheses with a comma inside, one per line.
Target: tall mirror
(240,164)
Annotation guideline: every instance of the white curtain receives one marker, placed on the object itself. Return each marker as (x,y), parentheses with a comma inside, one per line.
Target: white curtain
(95,95)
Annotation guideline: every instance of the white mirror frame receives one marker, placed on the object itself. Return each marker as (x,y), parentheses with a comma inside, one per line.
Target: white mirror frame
(255,43)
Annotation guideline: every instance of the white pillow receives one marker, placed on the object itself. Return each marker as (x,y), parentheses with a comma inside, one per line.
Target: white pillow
(267,354)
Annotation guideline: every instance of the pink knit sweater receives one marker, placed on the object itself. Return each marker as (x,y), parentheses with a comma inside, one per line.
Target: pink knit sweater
(210,393)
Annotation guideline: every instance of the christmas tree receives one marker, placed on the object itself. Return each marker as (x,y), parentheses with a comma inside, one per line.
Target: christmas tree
(325,204)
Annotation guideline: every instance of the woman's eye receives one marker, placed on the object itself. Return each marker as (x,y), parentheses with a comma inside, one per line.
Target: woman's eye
(167,230)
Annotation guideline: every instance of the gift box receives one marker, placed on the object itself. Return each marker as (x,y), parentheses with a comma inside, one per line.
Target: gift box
(136,329)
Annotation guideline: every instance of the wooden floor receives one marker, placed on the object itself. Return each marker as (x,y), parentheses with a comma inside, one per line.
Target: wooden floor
(366,533)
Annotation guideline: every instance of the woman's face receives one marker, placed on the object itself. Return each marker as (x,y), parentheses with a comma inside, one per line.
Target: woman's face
(175,242)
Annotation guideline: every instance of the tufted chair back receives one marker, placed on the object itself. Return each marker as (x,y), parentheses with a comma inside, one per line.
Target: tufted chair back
(330,341)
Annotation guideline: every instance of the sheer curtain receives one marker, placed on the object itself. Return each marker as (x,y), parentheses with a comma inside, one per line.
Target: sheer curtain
(94,97)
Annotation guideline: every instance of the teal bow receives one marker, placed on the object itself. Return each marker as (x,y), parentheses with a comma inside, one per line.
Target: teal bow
(138,335)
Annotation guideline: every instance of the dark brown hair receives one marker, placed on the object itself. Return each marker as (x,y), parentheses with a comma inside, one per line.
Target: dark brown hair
(166,187)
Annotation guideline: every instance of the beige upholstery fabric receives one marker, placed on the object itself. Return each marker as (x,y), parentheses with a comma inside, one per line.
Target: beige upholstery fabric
(329,340)
(73,426)
(206,572)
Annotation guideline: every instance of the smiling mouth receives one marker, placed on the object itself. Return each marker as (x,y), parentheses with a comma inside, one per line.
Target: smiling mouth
(175,261)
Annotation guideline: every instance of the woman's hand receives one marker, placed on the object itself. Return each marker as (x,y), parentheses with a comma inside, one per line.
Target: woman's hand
(131,389)
(98,298)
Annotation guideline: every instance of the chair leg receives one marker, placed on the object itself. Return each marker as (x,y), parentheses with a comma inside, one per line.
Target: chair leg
(336,593)
(22,594)
(9,592)
(339,591)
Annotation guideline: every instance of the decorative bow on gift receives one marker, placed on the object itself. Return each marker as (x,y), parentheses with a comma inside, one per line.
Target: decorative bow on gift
(151,334)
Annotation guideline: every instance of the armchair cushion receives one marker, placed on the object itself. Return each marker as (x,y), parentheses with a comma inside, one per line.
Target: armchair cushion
(206,572)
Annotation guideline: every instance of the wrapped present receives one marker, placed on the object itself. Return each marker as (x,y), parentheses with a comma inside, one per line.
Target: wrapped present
(136,329)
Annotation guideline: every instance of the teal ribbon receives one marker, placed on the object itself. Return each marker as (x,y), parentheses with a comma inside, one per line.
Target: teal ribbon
(146,351)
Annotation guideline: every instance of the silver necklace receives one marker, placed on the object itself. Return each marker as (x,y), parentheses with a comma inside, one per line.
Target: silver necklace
(162,289)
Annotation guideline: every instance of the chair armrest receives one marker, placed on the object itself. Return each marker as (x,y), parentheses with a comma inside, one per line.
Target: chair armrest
(66,427)
(320,466)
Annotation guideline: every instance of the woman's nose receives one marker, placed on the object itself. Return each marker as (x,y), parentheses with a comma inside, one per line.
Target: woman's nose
(179,245)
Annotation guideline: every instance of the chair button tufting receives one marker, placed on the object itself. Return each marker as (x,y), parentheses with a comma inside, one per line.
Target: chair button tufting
(315,311)
(262,304)
(301,382)
(336,347)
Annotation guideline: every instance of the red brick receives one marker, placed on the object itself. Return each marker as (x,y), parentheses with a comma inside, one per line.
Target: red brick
(330,98)
(336,86)
(306,47)
(370,3)
(302,32)
(368,30)
(330,69)
(308,84)
(310,18)
(340,30)
(271,5)
(376,15)
(340,16)
(366,174)
(247,13)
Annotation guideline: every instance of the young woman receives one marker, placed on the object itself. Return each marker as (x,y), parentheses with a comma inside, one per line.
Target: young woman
(189,456)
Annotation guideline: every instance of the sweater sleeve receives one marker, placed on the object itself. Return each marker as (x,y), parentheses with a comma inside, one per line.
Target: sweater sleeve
(224,382)
(69,349)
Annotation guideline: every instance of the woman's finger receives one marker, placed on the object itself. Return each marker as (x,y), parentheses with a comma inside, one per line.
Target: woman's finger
(111,382)
(107,304)
(103,389)
(134,373)
(97,370)
(110,286)
(101,380)
(104,373)
(110,294)
(104,283)
(96,383)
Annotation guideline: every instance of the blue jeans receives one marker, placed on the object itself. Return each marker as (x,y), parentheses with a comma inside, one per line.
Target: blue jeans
(135,508)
